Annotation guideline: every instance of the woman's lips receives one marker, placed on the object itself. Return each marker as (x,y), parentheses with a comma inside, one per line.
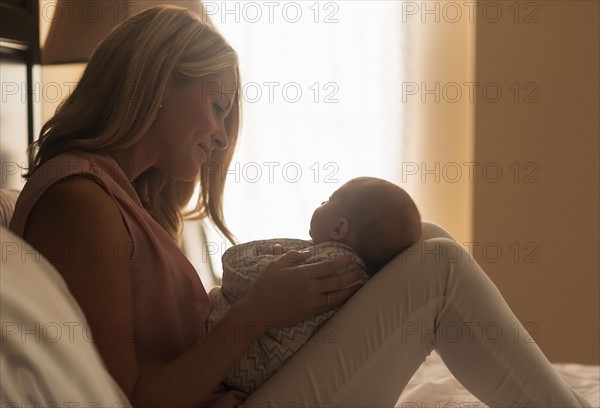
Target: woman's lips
(204,150)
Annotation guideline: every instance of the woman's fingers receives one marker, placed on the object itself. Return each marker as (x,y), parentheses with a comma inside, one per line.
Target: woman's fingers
(275,249)
(323,269)
(332,270)
(340,281)
(329,275)
(290,258)
(230,399)
(337,298)
(289,291)
(278,249)
(317,270)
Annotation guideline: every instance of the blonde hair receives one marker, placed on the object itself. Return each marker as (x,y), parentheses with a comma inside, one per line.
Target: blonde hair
(118,98)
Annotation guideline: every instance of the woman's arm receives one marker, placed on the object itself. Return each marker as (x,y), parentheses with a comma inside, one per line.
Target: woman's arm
(77,214)
(73,218)
(284,294)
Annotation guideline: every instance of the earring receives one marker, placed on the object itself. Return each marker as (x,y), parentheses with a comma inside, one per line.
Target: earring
(160,106)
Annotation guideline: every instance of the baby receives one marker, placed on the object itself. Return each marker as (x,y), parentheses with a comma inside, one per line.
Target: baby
(369,218)
(374,217)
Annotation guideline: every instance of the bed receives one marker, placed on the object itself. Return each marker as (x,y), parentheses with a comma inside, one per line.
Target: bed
(433,386)
(48,370)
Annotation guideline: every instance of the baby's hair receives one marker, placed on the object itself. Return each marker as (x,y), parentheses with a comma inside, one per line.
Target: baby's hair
(384,221)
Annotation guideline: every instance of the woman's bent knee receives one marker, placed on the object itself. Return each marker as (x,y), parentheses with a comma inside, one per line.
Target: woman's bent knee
(433,251)
(431,230)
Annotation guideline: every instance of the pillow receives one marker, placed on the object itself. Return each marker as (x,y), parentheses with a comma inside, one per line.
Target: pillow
(8,199)
(48,357)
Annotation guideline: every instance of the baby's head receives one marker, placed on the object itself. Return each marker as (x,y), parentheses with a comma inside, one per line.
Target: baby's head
(376,218)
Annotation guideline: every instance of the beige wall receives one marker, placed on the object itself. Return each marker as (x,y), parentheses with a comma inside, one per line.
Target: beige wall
(553,279)
(534,228)
(438,146)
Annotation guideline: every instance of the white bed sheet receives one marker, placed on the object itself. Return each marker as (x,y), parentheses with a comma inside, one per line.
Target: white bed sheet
(433,386)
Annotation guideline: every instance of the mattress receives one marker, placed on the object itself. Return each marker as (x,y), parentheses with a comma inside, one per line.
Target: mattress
(433,386)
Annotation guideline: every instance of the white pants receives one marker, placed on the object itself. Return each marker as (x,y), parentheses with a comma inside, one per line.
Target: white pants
(433,296)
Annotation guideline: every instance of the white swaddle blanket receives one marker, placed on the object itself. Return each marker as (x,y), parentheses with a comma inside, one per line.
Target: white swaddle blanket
(242,265)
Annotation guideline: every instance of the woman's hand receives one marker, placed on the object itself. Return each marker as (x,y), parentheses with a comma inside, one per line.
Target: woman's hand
(288,292)
(275,249)
(223,399)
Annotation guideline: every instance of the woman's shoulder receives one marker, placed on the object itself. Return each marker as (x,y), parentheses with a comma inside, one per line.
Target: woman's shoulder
(76,162)
(74,210)
(87,179)
(76,201)
(77,191)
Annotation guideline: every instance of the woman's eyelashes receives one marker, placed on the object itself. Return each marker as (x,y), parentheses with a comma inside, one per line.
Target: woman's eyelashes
(219,110)
(222,105)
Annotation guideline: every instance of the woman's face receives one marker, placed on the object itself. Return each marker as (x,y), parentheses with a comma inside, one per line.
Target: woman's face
(191,123)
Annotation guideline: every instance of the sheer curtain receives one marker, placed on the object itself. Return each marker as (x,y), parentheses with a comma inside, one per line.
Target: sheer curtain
(321,84)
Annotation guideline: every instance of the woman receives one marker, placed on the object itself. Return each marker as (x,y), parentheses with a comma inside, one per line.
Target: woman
(156,111)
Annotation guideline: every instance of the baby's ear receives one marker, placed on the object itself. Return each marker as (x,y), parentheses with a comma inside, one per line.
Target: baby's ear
(340,230)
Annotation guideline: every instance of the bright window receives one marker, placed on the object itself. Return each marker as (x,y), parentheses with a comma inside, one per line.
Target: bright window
(322,104)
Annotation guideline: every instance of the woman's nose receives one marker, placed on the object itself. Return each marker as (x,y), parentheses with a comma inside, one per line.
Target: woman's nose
(220,139)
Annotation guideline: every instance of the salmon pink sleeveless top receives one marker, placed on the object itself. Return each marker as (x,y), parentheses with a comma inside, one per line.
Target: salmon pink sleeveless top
(170,304)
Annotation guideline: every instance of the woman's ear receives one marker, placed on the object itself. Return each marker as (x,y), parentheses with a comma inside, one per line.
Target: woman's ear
(340,230)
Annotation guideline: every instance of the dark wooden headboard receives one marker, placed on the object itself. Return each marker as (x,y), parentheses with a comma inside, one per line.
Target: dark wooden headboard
(20,42)
(19,55)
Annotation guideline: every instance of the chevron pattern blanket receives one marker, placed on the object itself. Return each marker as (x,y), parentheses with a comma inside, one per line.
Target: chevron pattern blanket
(242,265)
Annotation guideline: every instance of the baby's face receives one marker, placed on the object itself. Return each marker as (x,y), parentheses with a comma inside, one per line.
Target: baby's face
(326,217)
(322,220)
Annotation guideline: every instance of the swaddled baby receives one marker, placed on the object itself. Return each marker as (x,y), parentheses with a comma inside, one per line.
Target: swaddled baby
(369,218)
